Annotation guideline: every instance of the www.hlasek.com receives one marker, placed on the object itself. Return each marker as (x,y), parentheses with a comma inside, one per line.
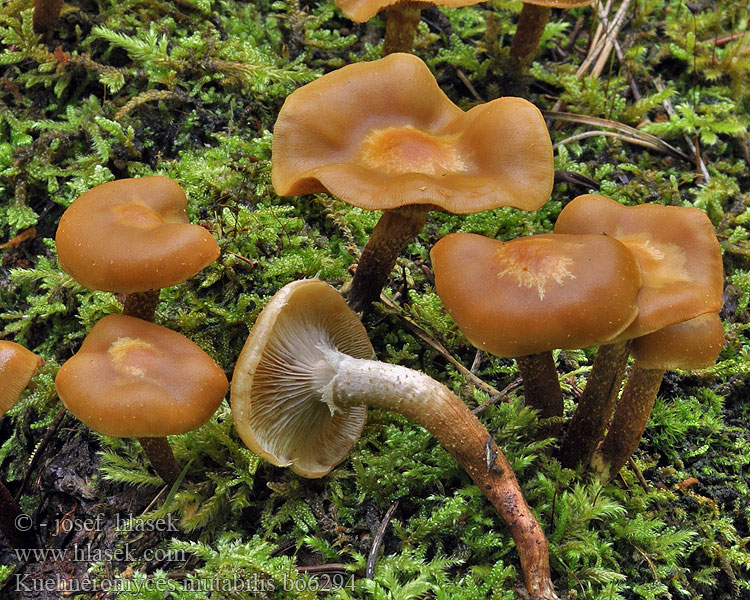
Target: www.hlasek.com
(254,583)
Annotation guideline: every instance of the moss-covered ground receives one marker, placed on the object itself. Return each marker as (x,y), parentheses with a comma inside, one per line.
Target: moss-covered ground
(191,89)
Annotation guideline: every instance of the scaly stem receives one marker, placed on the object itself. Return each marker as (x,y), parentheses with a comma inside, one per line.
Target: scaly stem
(395,229)
(541,388)
(529,29)
(9,512)
(141,305)
(401,23)
(444,415)
(159,453)
(629,421)
(592,416)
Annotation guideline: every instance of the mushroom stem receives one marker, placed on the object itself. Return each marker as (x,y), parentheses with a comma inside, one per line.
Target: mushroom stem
(529,29)
(159,453)
(9,513)
(141,304)
(395,229)
(46,13)
(629,420)
(592,416)
(542,388)
(432,405)
(401,24)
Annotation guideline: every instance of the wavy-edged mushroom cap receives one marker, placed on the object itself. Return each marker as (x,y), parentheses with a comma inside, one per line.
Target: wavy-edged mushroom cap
(17,366)
(132,235)
(692,344)
(280,419)
(381,134)
(133,378)
(536,293)
(360,11)
(676,248)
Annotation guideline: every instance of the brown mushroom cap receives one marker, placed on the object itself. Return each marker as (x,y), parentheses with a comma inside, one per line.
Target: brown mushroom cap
(536,293)
(132,235)
(17,366)
(289,424)
(360,11)
(676,248)
(560,3)
(381,134)
(132,378)
(692,344)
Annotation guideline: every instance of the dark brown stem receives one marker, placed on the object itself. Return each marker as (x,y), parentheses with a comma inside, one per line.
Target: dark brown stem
(11,518)
(159,453)
(629,421)
(542,388)
(401,23)
(529,29)
(594,412)
(141,304)
(46,13)
(395,229)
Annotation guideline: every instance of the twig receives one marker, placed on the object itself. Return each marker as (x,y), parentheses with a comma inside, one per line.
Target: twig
(501,395)
(465,80)
(52,430)
(378,540)
(638,474)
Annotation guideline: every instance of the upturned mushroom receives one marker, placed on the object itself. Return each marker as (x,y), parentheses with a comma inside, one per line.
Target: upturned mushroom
(299,395)
(383,136)
(528,296)
(402,18)
(17,366)
(132,378)
(693,344)
(680,261)
(133,236)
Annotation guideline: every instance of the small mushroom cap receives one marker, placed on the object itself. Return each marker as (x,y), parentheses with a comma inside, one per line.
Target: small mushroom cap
(381,135)
(692,344)
(364,10)
(560,3)
(276,401)
(676,248)
(536,293)
(132,235)
(17,366)
(133,378)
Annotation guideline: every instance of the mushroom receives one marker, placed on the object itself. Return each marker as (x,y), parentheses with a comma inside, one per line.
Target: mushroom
(680,261)
(530,26)
(17,366)
(530,295)
(383,136)
(692,344)
(402,19)
(133,378)
(300,391)
(133,236)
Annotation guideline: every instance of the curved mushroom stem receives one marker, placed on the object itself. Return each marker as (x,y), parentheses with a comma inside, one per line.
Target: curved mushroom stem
(46,13)
(160,454)
(529,29)
(592,416)
(542,388)
(629,421)
(395,229)
(401,23)
(444,415)
(141,304)
(9,513)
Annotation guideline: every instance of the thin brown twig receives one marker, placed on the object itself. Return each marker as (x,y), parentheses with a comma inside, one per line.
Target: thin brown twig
(377,541)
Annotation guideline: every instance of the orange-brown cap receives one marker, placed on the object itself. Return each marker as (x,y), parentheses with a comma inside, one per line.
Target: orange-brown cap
(17,366)
(381,134)
(364,10)
(692,344)
(536,293)
(676,248)
(132,235)
(132,378)
(559,3)
(277,405)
